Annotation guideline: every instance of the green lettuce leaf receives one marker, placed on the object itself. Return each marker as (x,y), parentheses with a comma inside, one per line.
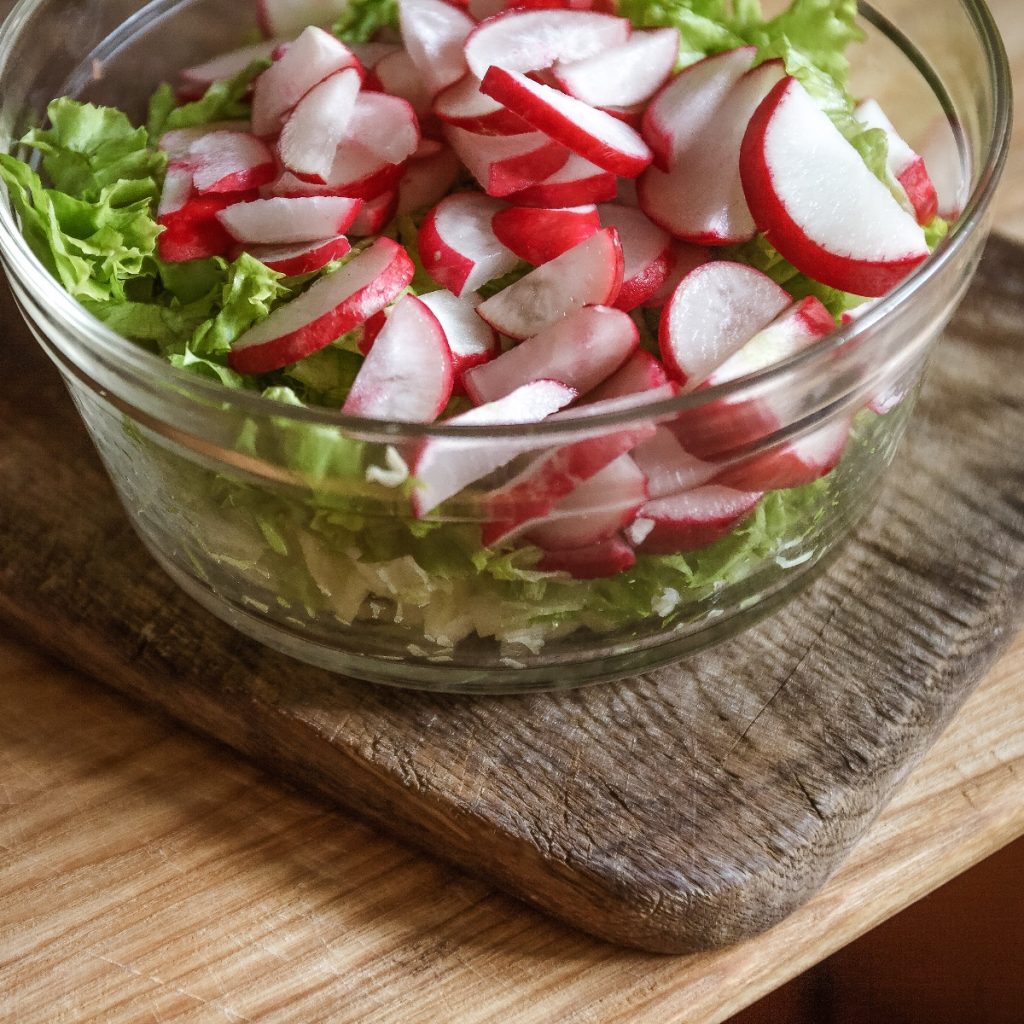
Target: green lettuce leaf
(223,101)
(363,18)
(89,151)
(94,248)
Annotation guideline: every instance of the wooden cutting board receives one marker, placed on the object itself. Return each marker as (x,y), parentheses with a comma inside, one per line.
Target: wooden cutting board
(679,810)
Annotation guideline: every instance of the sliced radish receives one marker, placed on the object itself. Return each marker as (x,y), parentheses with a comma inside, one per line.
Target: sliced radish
(470,340)
(646,254)
(580,350)
(444,466)
(905,165)
(426,181)
(178,142)
(595,510)
(722,426)
(465,106)
(304,258)
(669,467)
(630,73)
(287,17)
(640,373)
(576,183)
(818,203)
(192,231)
(792,330)
(384,125)
(700,199)
(950,175)
(716,309)
(280,221)
(596,561)
(310,137)
(691,520)
(458,246)
(177,190)
(371,54)
(397,75)
(356,173)
(407,375)
(374,215)
(314,56)
(227,65)
(690,104)
(590,274)
(434,34)
(683,259)
(535,491)
(790,465)
(528,40)
(537,235)
(507,163)
(229,162)
(592,134)
(330,307)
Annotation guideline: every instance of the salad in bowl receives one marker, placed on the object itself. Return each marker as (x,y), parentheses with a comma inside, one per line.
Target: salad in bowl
(484,346)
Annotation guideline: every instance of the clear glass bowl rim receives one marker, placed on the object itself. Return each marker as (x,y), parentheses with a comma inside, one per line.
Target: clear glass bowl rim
(151,371)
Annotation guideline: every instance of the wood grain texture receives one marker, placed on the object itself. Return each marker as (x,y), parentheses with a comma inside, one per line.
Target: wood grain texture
(687,808)
(148,875)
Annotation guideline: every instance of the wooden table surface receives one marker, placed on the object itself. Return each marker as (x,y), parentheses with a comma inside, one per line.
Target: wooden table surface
(146,874)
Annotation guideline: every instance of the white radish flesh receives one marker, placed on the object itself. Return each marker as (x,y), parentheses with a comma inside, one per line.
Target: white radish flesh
(280,221)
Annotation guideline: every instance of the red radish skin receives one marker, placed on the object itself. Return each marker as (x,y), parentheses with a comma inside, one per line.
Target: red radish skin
(700,199)
(537,235)
(465,106)
(640,373)
(284,221)
(427,180)
(229,162)
(374,215)
(590,274)
(691,520)
(504,164)
(689,104)
(305,258)
(314,56)
(818,203)
(316,126)
(469,339)
(528,40)
(595,510)
(715,310)
(904,164)
(580,350)
(606,558)
(624,75)
(793,464)
(592,134)
(407,375)
(544,482)
(683,259)
(723,426)
(434,34)
(191,229)
(646,254)
(669,467)
(356,173)
(445,466)
(577,183)
(288,17)
(458,246)
(331,306)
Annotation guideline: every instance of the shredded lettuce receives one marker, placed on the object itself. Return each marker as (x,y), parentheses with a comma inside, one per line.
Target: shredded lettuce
(362,19)
(222,101)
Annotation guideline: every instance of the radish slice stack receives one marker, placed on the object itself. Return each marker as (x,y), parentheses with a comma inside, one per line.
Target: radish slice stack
(553,135)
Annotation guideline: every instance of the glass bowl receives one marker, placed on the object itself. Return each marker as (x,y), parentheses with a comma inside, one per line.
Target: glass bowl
(294,524)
